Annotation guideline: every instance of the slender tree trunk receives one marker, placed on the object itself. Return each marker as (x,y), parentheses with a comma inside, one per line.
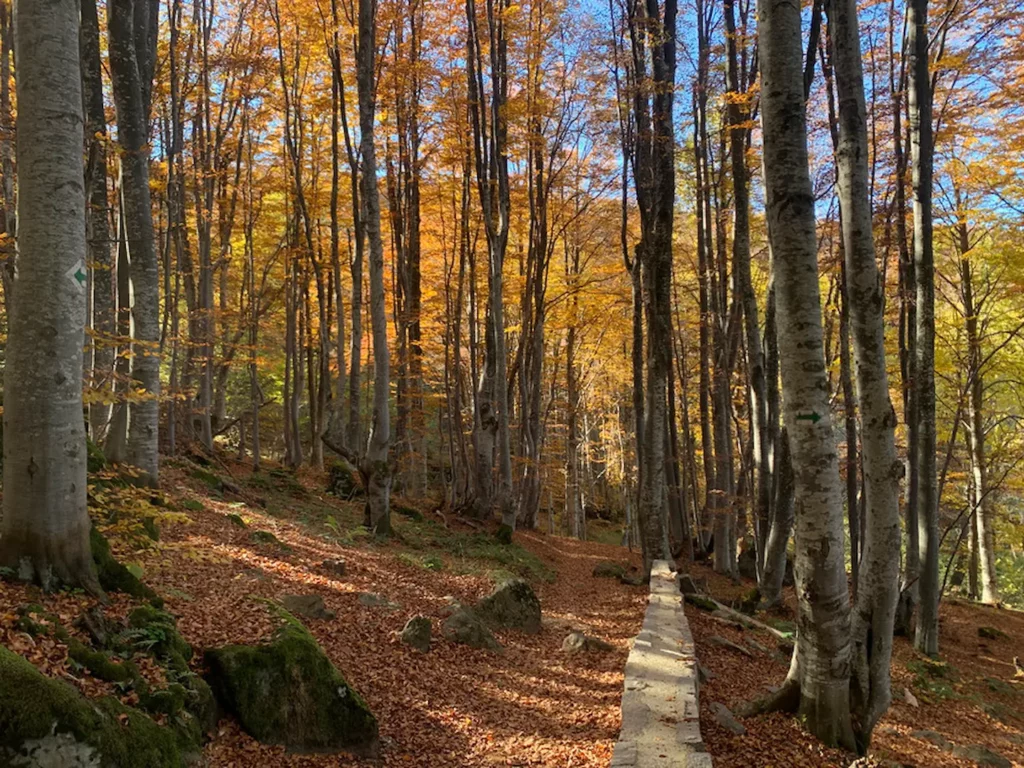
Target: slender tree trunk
(97,221)
(376,463)
(819,675)
(132,26)
(44,533)
(926,637)
(983,522)
(878,587)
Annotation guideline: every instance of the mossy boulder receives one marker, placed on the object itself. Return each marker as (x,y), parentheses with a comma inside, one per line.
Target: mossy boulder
(114,576)
(609,570)
(341,481)
(287,692)
(45,722)
(512,604)
(466,628)
(417,633)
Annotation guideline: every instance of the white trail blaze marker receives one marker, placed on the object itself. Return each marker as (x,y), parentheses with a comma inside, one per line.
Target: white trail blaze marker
(77,275)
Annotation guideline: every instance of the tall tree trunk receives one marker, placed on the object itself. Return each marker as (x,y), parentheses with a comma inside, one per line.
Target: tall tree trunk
(738,116)
(819,675)
(926,636)
(982,505)
(44,533)
(97,221)
(376,467)
(132,26)
(878,586)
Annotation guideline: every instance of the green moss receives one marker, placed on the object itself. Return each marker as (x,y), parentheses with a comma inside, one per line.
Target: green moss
(156,631)
(34,707)
(115,577)
(265,537)
(504,534)
(609,570)
(413,514)
(704,603)
(193,505)
(288,692)
(207,478)
(991,633)
(235,518)
(102,666)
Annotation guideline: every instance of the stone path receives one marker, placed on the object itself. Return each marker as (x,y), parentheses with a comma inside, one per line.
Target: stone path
(660,725)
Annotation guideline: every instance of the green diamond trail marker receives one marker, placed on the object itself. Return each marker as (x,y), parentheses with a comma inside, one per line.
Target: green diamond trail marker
(77,275)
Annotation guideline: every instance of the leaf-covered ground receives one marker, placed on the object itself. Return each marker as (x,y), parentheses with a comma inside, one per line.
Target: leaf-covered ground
(529,706)
(971,697)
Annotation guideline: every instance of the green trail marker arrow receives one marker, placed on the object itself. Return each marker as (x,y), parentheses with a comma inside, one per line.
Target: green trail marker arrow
(814,417)
(77,275)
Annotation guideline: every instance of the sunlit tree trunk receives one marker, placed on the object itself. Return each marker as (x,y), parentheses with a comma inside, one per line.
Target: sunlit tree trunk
(44,533)
(926,637)
(133,25)
(819,677)
(878,587)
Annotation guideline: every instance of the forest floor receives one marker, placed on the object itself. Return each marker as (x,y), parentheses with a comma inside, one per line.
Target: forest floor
(969,696)
(531,705)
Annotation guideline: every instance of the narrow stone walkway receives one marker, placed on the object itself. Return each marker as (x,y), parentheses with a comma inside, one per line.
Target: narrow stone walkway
(660,724)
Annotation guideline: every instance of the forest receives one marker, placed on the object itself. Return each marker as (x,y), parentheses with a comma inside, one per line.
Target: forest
(729,284)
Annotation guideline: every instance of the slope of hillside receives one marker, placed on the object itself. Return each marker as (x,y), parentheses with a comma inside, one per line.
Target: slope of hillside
(226,548)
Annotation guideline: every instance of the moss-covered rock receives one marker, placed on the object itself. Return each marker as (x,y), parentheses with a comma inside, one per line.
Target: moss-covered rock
(45,719)
(101,665)
(237,520)
(287,692)
(512,604)
(466,628)
(504,534)
(341,481)
(609,570)
(115,577)
(157,631)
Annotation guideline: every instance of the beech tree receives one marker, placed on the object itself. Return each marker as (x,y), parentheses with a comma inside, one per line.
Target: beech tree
(818,684)
(133,28)
(44,533)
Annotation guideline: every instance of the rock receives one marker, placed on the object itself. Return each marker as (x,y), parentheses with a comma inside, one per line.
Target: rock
(723,643)
(910,698)
(504,534)
(334,567)
(704,674)
(932,737)
(287,692)
(991,633)
(466,628)
(47,723)
(417,633)
(307,606)
(341,481)
(609,570)
(373,600)
(690,586)
(725,719)
(512,604)
(577,642)
(982,756)
(704,603)
(633,579)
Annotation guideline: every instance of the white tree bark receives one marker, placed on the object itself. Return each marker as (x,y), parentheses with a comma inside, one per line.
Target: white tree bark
(822,660)
(44,533)
(878,587)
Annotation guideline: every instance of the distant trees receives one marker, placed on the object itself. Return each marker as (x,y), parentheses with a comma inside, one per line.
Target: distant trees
(44,533)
